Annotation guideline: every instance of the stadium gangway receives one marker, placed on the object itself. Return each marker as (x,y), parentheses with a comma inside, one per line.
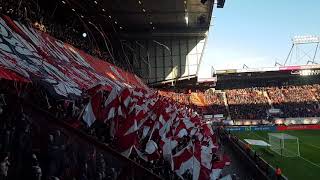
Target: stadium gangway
(48,123)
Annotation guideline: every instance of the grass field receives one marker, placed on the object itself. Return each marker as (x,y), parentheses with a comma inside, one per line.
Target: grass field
(307,166)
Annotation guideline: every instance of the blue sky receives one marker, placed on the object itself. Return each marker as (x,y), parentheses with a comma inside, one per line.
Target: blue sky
(257,32)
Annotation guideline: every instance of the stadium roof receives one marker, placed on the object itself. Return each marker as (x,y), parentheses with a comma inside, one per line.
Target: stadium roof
(156,18)
(161,41)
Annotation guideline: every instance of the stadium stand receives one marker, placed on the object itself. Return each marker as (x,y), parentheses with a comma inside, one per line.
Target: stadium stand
(37,145)
(183,98)
(215,103)
(161,138)
(295,101)
(66,114)
(62,143)
(253,103)
(205,102)
(316,91)
(249,103)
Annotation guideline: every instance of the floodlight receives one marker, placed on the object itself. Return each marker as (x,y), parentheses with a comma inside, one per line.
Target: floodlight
(203,1)
(305,39)
(187,19)
(306,72)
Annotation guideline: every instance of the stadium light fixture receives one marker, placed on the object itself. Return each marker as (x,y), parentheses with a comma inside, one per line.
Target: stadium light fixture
(103,10)
(139,2)
(73,10)
(306,39)
(84,35)
(305,72)
(220,3)
(203,1)
(143,10)
(95,2)
(63,2)
(187,19)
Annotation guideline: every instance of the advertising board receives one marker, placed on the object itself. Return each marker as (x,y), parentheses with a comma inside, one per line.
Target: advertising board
(298,127)
(251,128)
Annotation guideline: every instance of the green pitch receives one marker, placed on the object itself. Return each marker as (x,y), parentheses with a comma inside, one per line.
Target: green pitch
(307,166)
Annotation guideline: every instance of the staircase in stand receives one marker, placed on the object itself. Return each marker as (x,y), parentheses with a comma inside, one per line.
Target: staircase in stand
(225,100)
(265,93)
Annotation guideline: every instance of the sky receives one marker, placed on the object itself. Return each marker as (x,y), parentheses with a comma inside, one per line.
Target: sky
(258,32)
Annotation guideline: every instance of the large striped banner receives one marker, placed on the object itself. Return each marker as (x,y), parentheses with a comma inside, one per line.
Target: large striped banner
(29,55)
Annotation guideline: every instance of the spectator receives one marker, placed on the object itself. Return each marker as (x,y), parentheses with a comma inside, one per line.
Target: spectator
(278,173)
(4,165)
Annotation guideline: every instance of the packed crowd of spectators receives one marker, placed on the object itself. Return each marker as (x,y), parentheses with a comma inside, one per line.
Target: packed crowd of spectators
(41,151)
(249,103)
(296,101)
(69,158)
(215,103)
(253,103)
(211,103)
(181,97)
(316,91)
(52,152)
(32,149)
(293,101)
(70,112)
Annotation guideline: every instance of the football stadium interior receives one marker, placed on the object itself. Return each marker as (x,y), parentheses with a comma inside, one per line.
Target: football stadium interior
(105,90)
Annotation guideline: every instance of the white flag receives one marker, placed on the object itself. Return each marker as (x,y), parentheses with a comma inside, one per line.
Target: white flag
(88,115)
